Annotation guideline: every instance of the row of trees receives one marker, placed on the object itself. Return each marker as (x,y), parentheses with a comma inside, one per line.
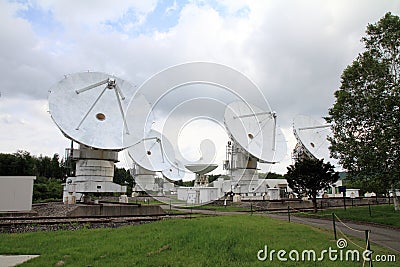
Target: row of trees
(50,172)
(23,163)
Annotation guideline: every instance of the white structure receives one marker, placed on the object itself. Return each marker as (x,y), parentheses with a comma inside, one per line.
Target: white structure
(241,167)
(254,139)
(352,193)
(89,108)
(197,195)
(16,193)
(243,181)
(94,173)
(250,123)
(312,140)
(145,180)
(260,189)
(256,189)
(200,170)
(333,191)
(397,193)
(148,181)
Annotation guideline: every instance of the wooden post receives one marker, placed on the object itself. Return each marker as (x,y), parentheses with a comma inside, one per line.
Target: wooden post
(334,225)
(368,246)
(369,209)
(344,200)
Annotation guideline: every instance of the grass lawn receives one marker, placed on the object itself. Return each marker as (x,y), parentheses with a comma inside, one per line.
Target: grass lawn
(204,241)
(383,214)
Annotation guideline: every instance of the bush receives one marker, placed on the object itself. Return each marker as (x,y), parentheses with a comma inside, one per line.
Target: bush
(47,188)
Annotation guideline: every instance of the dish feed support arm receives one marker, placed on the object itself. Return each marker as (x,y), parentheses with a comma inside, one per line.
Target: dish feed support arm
(111,84)
(273,115)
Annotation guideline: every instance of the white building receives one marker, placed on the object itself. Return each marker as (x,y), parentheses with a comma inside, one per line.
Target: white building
(333,191)
(16,193)
(257,189)
(197,195)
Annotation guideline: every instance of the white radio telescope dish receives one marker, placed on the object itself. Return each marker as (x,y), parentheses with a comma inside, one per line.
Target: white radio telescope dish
(201,169)
(151,152)
(90,108)
(254,129)
(175,171)
(312,135)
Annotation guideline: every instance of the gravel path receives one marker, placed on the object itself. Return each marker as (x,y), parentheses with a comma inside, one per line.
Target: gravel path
(53,209)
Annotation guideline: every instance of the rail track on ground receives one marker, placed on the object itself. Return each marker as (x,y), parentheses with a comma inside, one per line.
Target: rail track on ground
(39,223)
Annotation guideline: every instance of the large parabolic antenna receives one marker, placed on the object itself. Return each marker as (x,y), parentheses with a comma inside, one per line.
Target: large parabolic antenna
(254,136)
(151,152)
(312,139)
(155,153)
(90,108)
(175,171)
(255,130)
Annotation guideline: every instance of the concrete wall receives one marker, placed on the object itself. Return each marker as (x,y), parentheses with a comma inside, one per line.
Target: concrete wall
(115,210)
(16,193)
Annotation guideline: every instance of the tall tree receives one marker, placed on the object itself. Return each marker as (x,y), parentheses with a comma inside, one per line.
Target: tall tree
(123,177)
(56,167)
(309,176)
(24,163)
(366,116)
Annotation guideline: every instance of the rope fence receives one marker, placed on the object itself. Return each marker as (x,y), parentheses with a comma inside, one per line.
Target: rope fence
(347,225)
(337,228)
(343,228)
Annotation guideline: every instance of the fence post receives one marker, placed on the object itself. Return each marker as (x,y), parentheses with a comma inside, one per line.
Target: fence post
(251,208)
(368,246)
(288,212)
(369,209)
(344,200)
(334,225)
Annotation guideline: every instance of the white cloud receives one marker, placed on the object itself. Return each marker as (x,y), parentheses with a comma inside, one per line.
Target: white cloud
(26,125)
(78,15)
(171,8)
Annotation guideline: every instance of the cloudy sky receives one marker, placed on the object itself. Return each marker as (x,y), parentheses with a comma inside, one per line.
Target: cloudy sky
(295,51)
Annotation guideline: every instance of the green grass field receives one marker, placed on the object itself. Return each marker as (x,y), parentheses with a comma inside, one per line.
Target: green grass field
(382,214)
(204,241)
